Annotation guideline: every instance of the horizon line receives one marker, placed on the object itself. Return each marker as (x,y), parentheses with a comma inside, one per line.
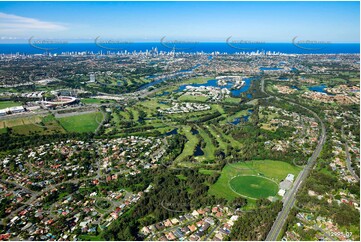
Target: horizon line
(193,42)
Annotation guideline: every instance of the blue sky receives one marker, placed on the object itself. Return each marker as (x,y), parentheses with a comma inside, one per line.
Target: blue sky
(193,21)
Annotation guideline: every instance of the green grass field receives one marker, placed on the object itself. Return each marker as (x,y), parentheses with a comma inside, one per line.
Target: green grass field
(209,149)
(28,129)
(236,144)
(274,170)
(9,104)
(96,101)
(198,80)
(215,135)
(191,98)
(91,237)
(230,118)
(33,124)
(91,101)
(190,144)
(82,123)
(253,186)
(232,100)
(19,121)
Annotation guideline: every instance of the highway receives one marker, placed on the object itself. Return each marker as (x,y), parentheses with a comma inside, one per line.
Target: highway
(290,197)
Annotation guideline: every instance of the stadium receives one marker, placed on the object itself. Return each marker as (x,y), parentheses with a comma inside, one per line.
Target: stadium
(60,101)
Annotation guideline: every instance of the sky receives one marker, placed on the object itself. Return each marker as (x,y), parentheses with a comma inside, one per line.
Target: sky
(183,21)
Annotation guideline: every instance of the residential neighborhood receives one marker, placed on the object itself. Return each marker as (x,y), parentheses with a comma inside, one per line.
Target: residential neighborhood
(210,223)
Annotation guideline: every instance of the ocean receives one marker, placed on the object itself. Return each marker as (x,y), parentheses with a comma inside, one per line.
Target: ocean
(287,48)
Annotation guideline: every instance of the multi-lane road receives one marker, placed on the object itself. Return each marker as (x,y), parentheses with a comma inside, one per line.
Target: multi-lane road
(290,197)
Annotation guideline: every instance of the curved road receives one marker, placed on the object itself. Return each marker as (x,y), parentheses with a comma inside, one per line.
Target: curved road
(348,157)
(290,197)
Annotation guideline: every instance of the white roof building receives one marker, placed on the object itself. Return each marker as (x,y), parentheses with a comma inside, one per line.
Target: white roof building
(195,213)
(281,192)
(3,112)
(290,177)
(16,109)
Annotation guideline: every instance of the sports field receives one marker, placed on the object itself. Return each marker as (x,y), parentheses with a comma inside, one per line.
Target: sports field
(88,122)
(253,186)
(264,169)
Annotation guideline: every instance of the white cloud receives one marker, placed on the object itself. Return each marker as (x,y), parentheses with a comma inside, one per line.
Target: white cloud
(13,24)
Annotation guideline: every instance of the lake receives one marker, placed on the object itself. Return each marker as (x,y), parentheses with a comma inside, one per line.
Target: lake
(198,151)
(270,68)
(319,88)
(172,132)
(194,131)
(214,83)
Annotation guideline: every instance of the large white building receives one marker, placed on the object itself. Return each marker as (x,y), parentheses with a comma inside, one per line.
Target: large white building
(286,184)
(281,192)
(3,112)
(61,100)
(91,77)
(17,109)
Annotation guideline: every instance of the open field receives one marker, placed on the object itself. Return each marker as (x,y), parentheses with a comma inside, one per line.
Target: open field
(191,98)
(27,129)
(232,100)
(82,123)
(253,186)
(33,124)
(95,101)
(8,104)
(19,121)
(274,170)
